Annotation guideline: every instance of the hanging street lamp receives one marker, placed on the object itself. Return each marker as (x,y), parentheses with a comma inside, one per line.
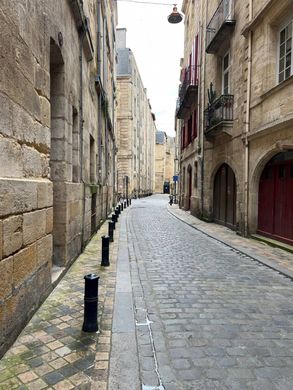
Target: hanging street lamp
(175,16)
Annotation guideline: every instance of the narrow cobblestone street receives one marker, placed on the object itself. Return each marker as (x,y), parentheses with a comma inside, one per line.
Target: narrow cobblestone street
(208,316)
(146,195)
(179,309)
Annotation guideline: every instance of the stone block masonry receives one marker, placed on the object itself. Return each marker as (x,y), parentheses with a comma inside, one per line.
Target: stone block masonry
(51,131)
(26,223)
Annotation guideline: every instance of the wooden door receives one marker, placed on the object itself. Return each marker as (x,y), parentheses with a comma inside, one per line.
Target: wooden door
(189,188)
(275,200)
(225,197)
(266,201)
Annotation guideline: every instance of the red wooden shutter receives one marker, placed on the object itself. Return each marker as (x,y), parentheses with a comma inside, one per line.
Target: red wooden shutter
(194,124)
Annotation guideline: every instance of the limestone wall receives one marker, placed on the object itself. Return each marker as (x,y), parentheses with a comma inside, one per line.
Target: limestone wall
(56,147)
(160,167)
(135,131)
(254,136)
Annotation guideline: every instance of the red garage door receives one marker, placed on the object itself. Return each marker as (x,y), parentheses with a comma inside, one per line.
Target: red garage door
(275,201)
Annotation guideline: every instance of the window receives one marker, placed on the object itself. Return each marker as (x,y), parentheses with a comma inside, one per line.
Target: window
(285,52)
(189,130)
(226,74)
(75,147)
(194,124)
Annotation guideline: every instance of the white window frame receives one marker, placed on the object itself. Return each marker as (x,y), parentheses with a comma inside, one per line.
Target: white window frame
(227,70)
(290,21)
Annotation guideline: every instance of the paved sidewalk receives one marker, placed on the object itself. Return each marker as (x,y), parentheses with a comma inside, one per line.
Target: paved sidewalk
(52,352)
(276,258)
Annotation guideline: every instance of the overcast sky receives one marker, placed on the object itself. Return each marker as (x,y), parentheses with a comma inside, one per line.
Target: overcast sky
(157,46)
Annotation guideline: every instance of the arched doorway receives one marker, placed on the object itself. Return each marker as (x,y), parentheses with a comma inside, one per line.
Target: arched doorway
(189,187)
(225,197)
(275,199)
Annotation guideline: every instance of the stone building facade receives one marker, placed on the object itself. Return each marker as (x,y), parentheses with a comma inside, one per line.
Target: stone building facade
(57,143)
(164,162)
(188,110)
(239,172)
(135,127)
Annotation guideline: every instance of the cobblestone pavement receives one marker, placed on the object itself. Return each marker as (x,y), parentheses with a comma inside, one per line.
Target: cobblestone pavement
(207,315)
(274,257)
(178,310)
(52,352)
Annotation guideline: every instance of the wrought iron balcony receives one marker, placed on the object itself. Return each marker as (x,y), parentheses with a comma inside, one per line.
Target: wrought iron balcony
(188,91)
(220,26)
(219,114)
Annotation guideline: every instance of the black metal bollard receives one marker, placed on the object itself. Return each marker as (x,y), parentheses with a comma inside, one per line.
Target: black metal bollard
(105,251)
(114,218)
(121,205)
(117,214)
(114,223)
(90,322)
(111,227)
(127,201)
(125,204)
(119,208)
(130,201)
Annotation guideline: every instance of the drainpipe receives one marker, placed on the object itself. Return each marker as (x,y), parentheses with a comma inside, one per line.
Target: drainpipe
(106,131)
(202,91)
(114,199)
(99,56)
(99,64)
(106,156)
(247,127)
(81,131)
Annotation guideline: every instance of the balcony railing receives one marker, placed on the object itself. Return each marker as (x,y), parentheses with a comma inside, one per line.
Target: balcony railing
(219,113)
(188,90)
(220,26)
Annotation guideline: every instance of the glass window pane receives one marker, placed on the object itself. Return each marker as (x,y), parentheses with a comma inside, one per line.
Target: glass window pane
(288,60)
(281,77)
(288,31)
(288,45)
(226,61)
(226,83)
(282,36)
(288,72)
(282,64)
(282,50)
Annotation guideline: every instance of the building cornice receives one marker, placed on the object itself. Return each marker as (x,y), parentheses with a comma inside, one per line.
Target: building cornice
(270,127)
(258,18)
